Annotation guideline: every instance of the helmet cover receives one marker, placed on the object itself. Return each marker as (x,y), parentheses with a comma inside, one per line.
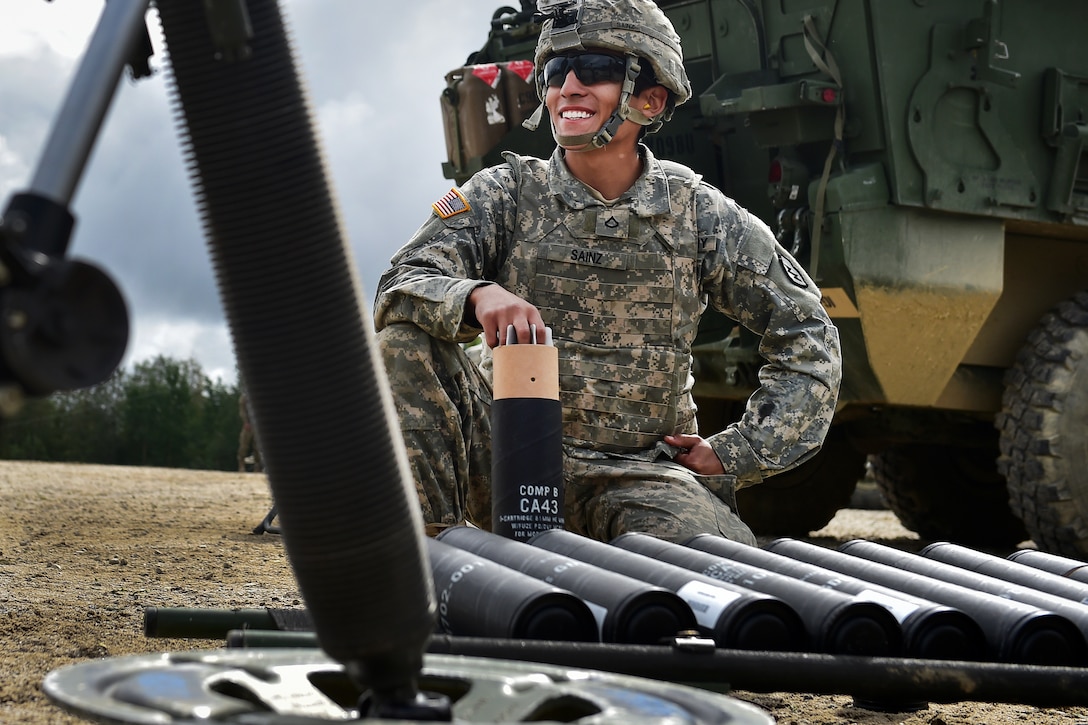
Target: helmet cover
(627,27)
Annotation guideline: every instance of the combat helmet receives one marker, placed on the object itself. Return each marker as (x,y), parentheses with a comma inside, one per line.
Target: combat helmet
(637,29)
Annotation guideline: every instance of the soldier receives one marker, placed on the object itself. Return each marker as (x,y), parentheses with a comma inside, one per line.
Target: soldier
(248,449)
(619,253)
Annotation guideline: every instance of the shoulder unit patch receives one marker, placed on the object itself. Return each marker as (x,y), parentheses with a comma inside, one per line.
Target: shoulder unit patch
(792,272)
(452,204)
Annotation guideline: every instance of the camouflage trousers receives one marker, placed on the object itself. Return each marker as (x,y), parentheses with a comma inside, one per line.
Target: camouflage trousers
(443,401)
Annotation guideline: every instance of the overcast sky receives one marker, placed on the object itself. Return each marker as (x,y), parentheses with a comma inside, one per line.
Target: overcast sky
(375,71)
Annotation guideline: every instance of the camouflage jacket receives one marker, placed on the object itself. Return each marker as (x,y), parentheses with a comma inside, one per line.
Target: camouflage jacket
(737,267)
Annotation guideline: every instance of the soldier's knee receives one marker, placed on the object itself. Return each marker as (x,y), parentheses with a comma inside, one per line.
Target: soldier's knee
(407,355)
(400,337)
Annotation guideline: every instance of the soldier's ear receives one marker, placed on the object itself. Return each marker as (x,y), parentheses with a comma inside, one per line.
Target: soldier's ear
(652,101)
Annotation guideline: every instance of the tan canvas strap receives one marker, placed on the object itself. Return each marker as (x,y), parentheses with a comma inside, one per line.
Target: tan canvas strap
(823,59)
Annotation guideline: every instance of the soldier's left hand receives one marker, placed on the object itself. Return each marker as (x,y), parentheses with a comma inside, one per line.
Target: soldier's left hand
(696,454)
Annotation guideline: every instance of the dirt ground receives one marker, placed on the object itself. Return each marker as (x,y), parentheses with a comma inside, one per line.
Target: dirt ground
(85,549)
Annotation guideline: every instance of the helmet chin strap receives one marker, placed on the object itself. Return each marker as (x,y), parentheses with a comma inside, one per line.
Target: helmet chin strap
(607,131)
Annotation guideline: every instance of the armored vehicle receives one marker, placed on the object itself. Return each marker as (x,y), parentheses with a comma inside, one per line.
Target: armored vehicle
(926,162)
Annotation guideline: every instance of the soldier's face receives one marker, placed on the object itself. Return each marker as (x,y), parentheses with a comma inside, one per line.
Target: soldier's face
(577,108)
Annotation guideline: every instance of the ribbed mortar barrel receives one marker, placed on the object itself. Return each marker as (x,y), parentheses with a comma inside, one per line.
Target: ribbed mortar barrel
(478,597)
(930,630)
(1061,565)
(526,441)
(994,566)
(628,610)
(836,623)
(735,617)
(304,343)
(1015,632)
(906,561)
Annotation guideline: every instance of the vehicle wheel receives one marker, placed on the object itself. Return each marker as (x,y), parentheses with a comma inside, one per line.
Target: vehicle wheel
(805,499)
(1043,423)
(948,493)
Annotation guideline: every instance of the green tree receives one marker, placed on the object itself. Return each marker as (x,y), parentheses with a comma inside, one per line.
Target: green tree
(80,425)
(28,435)
(161,413)
(219,427)
(87,426)
(165,412)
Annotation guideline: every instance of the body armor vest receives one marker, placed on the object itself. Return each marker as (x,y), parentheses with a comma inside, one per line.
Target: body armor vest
(621,294)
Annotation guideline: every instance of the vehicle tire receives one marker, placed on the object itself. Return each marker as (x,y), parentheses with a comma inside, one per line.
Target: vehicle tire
(948,493)
(806,498)
(1044,431)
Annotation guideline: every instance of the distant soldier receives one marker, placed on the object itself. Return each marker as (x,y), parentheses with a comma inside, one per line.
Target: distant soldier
(248,450)
(620,253)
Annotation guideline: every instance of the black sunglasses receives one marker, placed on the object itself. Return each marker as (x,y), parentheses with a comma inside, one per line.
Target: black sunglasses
(589,68)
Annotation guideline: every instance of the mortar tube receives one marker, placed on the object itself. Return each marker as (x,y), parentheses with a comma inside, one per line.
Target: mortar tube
(870,679)
(1072,611)
(1053,563)
(1015,632)
(627,609)
(269,639)
(321,408)
(994,566)
(734,616)
(836,622)
(930,630)
(526,439)
(192,623)
(480,597)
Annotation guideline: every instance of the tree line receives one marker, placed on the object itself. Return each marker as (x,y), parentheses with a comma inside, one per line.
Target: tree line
(164,413)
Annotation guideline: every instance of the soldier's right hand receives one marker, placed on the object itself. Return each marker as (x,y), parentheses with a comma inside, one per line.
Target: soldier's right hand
(496,309)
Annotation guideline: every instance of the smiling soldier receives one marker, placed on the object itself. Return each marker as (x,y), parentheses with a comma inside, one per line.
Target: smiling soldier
(620,253)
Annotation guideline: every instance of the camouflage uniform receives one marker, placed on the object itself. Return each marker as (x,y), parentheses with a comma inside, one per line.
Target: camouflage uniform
(623,286)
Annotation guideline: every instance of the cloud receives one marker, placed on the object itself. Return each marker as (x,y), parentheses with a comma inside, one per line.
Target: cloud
(374,72)
(62,28)
(30,89)
(178,338)
(11,167)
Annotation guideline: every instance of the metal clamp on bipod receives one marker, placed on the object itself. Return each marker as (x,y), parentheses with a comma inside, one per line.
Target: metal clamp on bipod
(63,323)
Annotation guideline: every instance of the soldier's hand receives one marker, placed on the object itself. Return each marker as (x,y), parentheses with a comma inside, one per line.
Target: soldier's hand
(496,309)
(696,454)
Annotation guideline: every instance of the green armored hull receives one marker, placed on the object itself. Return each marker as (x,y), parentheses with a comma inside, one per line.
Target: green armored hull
(925,161)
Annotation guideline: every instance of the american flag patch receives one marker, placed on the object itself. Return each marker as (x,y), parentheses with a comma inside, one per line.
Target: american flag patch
(451,204)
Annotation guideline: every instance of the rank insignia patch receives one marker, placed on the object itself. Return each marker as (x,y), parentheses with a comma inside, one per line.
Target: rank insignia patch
(452,204)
